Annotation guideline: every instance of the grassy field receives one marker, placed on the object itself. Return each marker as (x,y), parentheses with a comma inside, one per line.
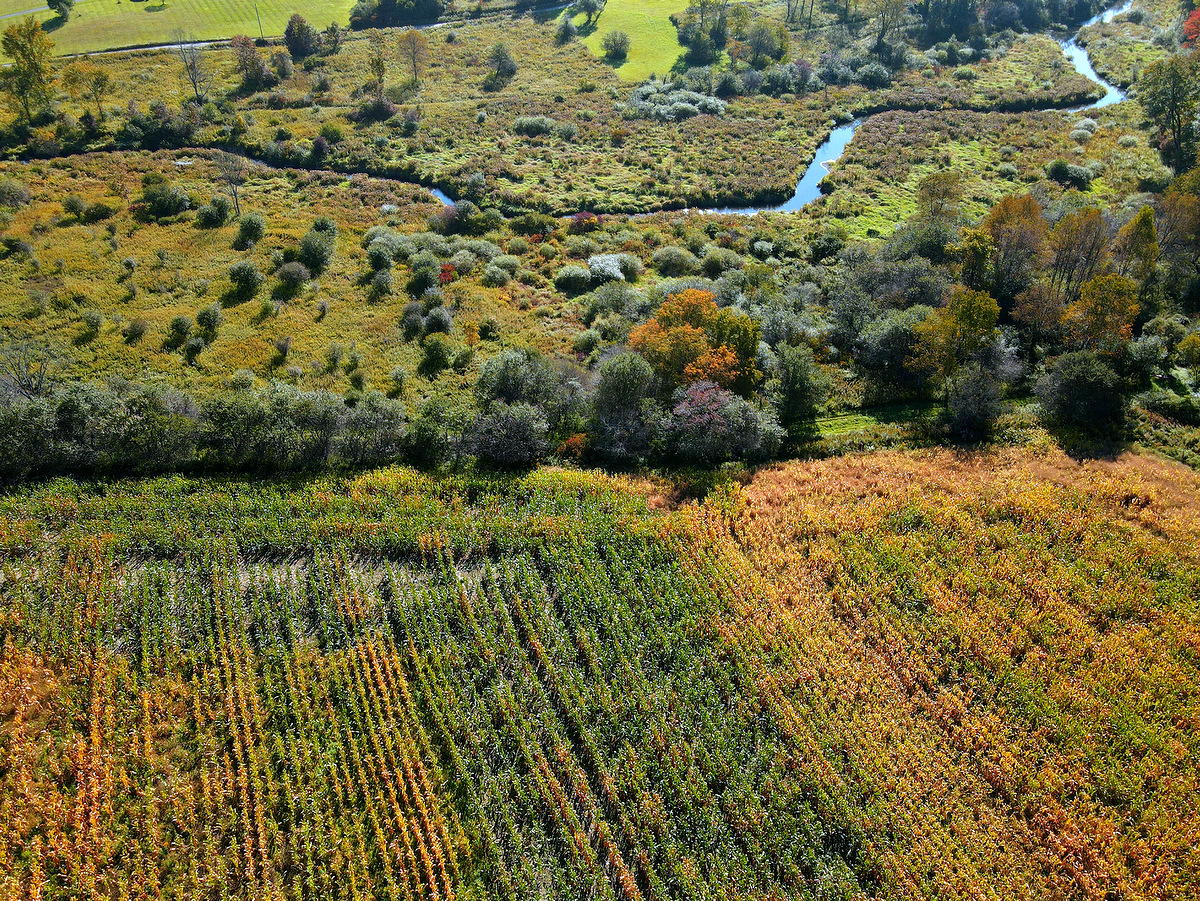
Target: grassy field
(103,24)
(1120,49)
(888,676)
(175,268)
(654,44)
(874,188)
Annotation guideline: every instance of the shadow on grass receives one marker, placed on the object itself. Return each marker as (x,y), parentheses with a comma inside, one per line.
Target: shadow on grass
(1082,446)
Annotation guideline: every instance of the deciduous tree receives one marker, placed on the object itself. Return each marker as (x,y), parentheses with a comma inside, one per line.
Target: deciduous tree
(1018,234)
(690,339)
(955,333)
(1079,245)
(248,62)
(377,59)
(1136,247)
(615,45)
(1169,90)
(939,193)
(84,79)
(1102,318)
(414,49)
(191,55)
(29,79)
(231,169)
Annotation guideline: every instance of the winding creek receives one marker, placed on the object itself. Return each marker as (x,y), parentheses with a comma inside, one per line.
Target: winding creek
(808,188)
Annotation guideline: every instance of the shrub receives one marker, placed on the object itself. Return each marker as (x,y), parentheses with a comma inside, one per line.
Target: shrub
(1081,390)
(615,45)
(192,348)
(242,380)
(92,320)
(801,385)
(1185,410)
(209,318)
(516,376)
(382,283)
(586,341)
(972,405)
(135,330)
(178,330)
(719,260)
(213,214)
(97,212)
(73,206)
(572,279)
(246,279)
(251,229)
(489,329)
(675,261)
(494,276)
(438,320)
(875,75)
(13,193)
(426,269)
(1189,350)
(709,425)
(533,126)
(530,224)
(437,353)
(318,244)
(383,249)
(1069,174)
(160,199)
(510,437)
(292,277)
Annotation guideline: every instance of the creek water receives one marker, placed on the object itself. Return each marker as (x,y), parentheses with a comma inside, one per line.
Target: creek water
(808,188)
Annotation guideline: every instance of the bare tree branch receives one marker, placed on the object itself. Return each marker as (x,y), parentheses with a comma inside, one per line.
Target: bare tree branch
(28,367)
(194,68)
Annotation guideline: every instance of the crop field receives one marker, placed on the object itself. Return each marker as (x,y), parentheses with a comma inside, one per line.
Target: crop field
(654,46)
(104,24)
(891,676)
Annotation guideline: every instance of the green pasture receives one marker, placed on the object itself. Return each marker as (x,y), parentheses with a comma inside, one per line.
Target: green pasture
(105,24)
(844,424)
(654,43)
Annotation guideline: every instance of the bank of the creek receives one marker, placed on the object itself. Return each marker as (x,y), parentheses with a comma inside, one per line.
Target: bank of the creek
(808,188)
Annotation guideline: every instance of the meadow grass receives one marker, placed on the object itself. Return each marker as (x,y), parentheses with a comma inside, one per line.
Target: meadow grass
(844,424)
(875,184)
(654,43)
(105,24)
(177,268)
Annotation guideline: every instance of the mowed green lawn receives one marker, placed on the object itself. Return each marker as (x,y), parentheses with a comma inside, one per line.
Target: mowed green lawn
(654,44)
(105,24)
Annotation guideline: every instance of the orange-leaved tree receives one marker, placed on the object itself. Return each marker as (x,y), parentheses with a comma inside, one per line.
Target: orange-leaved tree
(690,339)
(1103,316)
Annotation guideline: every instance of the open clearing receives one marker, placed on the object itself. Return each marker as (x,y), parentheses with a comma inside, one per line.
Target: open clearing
(654,43)
(104,24)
